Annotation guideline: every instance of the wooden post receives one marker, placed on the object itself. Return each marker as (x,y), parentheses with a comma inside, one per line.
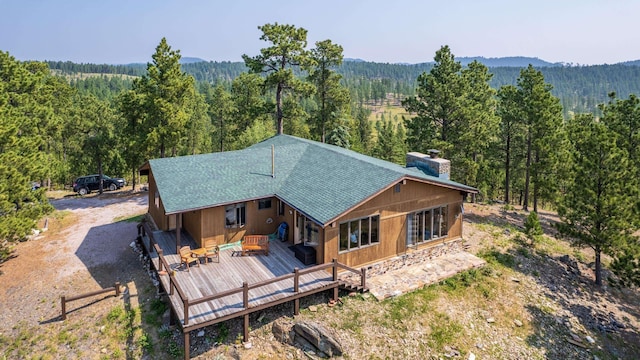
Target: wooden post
(117,286)
(187,352)
(63,302)
(178,231)
(296,289)
(160,253)
(335,269)
(335,278)
(245,302)
(363,278)
(245,295)
(186,311)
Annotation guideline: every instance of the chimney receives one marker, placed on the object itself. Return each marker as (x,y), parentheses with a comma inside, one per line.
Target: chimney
(430,164)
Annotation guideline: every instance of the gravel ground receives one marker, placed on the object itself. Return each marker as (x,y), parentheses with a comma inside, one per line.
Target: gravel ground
(550,294)
(92,253)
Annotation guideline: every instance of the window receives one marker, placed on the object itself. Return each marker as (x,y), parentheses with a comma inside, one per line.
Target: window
(396,188)
(156,198)
(359,233)
(235,215)
(264,204)
(280,208)
(427,225)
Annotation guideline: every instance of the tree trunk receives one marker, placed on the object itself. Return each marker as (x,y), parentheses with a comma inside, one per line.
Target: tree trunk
(598,251)
(279,109)
(133,178)
(535,197)
(507,170)
(525,202)
(101,181)
(535,184)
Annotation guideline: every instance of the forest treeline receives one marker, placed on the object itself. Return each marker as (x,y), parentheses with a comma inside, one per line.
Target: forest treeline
(579,88)
(515,142)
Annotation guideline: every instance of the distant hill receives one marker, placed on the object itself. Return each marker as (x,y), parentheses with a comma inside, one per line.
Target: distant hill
(191,60)
(580,88)
(631,63)
(511,61)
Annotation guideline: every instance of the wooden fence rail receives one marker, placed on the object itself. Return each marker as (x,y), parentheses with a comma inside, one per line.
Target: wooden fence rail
(64,300)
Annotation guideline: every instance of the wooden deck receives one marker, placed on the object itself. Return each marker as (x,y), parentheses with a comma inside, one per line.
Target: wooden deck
(229,276)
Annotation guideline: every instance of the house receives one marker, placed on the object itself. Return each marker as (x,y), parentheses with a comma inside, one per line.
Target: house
(337,203)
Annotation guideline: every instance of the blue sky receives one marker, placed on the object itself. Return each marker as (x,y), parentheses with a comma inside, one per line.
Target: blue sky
(125,31)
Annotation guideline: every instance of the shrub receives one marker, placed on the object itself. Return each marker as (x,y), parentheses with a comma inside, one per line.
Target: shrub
(532,227)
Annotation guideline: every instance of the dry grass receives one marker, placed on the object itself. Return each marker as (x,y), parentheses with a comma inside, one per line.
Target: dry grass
(506,310)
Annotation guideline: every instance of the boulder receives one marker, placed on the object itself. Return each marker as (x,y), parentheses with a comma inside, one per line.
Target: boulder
(318,336)
(282,331)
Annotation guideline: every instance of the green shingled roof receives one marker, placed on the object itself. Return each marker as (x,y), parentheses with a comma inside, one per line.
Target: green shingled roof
(322,181)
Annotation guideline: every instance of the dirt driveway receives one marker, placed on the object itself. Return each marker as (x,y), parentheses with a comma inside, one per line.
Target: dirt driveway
(86,249)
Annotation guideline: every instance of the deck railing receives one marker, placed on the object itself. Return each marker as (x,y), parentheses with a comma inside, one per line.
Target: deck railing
(244,289)
(174,286)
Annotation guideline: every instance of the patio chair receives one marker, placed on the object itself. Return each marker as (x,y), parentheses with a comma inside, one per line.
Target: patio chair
(213,251)
(186,257)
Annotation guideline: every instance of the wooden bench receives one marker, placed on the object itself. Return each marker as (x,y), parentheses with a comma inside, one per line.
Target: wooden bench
(255,243)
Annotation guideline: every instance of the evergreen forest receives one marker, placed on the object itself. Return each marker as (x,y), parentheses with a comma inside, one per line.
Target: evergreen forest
(559,137)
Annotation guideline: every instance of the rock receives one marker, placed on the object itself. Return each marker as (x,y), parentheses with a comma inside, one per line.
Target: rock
(472,356)
(517,322)
(200,333)
(515,279)
(313,308)
(318,336)
(480,346)
(491,320)
(103,350)
(282,331)
(261,317)
(102,329)
(590,340)
(247,345)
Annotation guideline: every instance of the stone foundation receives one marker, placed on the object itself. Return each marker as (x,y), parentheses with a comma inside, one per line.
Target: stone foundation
(411,257)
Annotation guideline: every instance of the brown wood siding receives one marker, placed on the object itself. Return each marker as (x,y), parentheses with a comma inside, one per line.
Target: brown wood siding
(192,223)
(393,208)
(288,217)
(157,213)
(257,219)
(213,225)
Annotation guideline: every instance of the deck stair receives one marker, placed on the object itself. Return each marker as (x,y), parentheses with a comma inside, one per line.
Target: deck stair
(350,286)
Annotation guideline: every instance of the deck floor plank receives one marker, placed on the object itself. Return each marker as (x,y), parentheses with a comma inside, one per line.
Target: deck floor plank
(230,273)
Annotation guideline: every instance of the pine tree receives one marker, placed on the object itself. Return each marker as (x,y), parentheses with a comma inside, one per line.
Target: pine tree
(25,105)
(168,97)
(597,209)
(331,97)
(278,63)
(532,227)
(541,116)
